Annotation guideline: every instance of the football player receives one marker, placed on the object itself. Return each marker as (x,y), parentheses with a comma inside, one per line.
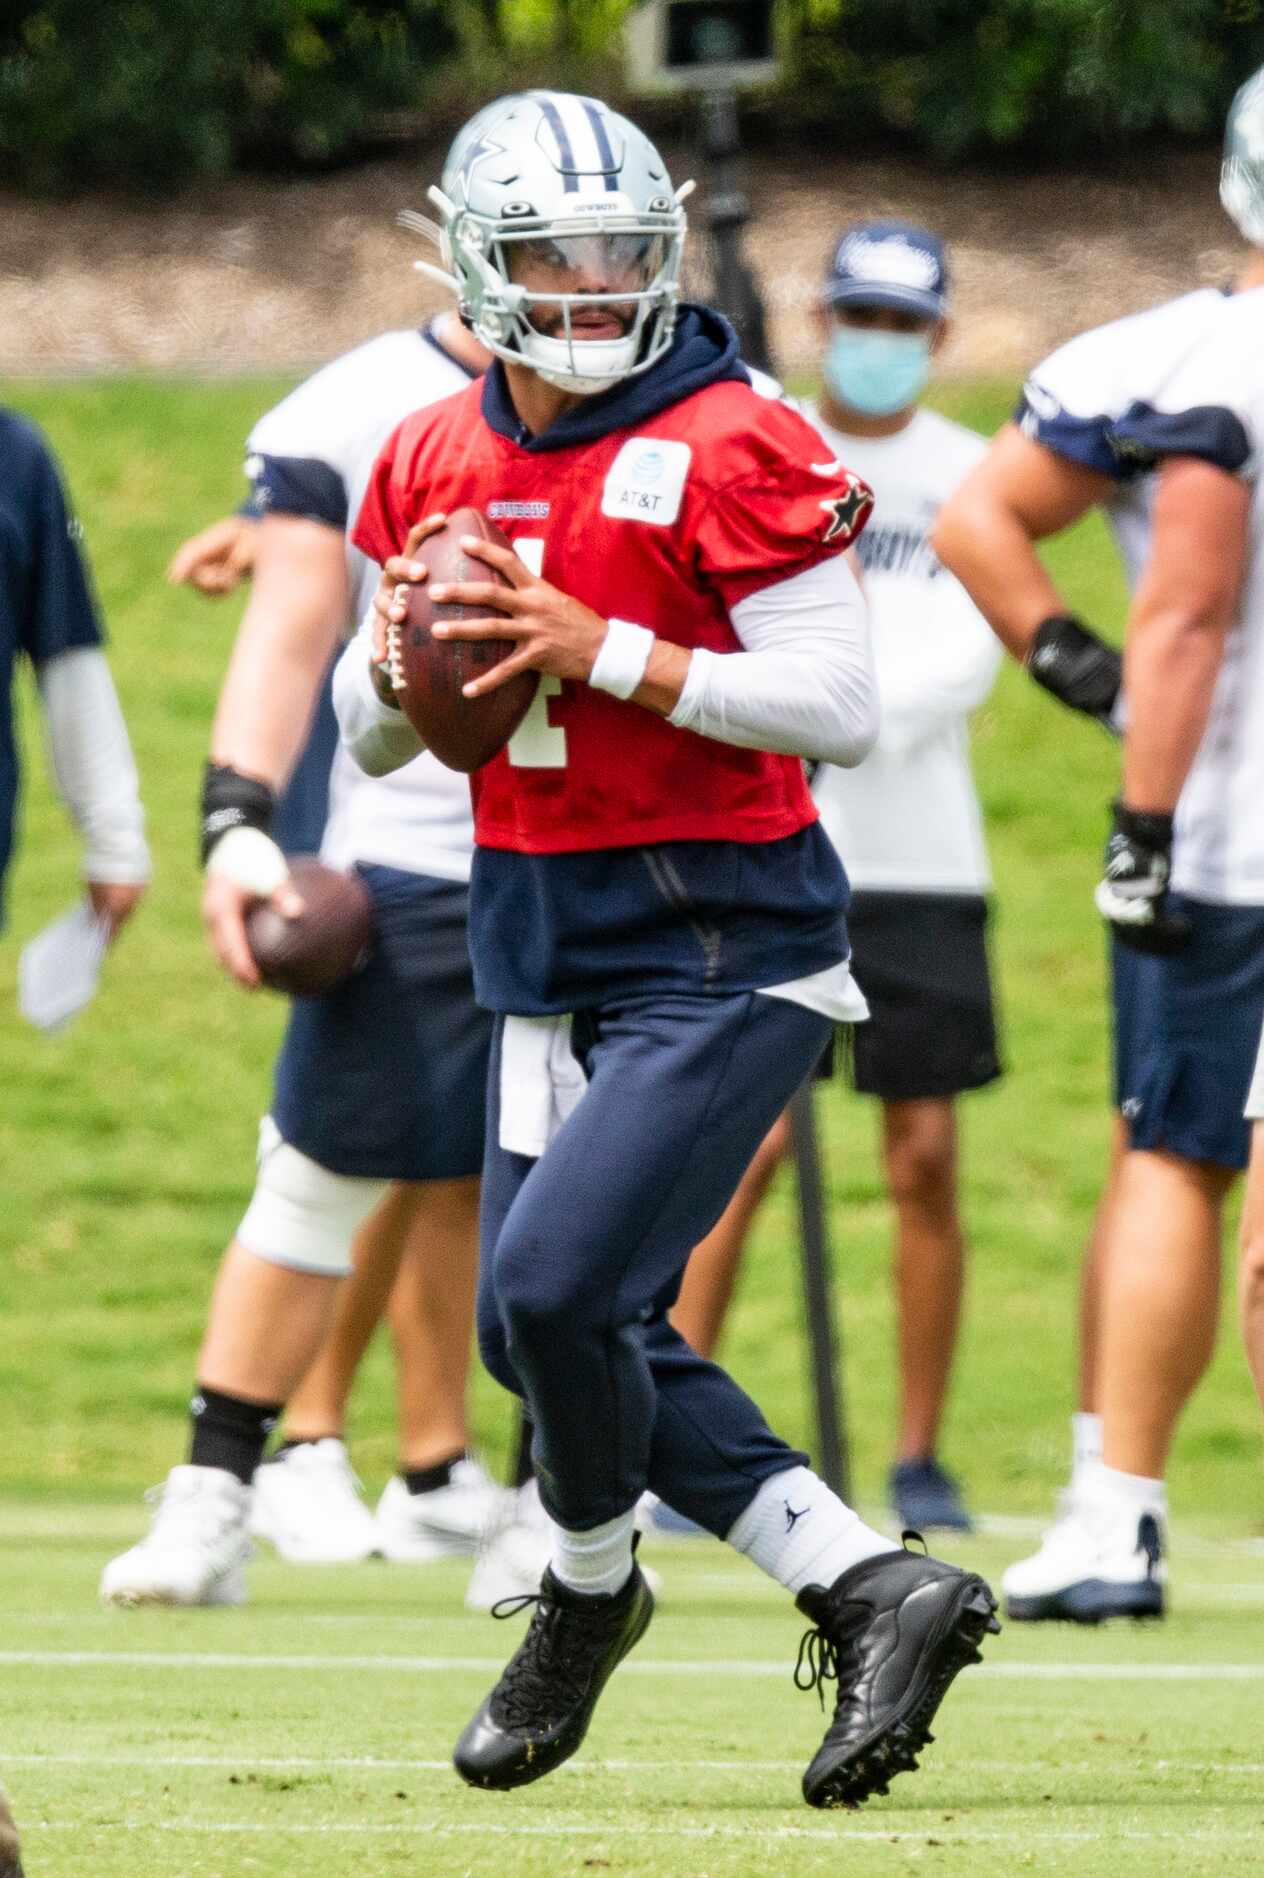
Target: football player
(1159,419)
(374,1139)
(656,917)
(908,824)
(48,615)
(1251,1271)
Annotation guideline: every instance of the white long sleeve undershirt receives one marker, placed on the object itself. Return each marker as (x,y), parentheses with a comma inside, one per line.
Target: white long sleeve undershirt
(379,736)
(803,684)
(91,759)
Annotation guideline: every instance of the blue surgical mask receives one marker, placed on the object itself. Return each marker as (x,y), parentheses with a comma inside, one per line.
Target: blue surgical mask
(875,372)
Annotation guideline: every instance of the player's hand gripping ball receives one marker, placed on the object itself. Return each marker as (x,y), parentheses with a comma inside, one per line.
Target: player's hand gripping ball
(426,674)
(322,945)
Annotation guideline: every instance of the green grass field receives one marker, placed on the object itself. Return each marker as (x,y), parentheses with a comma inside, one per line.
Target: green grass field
(127,1145)
(311,1732)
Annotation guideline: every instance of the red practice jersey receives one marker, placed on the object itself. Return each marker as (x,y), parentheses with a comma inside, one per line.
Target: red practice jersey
(668,522)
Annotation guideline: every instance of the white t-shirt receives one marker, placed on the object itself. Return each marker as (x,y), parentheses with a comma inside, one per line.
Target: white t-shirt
(907,819)
(312,456)
(1182,379)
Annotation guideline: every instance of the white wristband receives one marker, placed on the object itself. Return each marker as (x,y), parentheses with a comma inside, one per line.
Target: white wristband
(625,652)
(250,859)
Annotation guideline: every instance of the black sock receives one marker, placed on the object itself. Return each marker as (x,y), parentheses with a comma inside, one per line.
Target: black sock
(300,1441)
(430,1479)
(230,1433)
(523,1465)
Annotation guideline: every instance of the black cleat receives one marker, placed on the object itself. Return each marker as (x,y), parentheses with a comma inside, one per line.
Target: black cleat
(892,1632)
(539,1711)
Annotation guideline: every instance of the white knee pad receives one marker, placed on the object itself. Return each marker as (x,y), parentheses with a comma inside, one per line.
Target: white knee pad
(302,1215)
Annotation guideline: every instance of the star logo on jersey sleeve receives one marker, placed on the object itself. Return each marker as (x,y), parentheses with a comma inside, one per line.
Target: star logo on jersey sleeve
(849,511)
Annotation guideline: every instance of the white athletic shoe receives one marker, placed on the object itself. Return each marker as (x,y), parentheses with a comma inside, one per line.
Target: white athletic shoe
(511,1563)
(450,1522)
(1099,1559)
(307,1504)
(195,1548)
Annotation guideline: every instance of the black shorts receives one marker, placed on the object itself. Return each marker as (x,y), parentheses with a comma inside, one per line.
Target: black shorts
(921,960)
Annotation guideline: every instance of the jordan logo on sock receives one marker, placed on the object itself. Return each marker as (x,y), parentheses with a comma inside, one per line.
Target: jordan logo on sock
(792,1518)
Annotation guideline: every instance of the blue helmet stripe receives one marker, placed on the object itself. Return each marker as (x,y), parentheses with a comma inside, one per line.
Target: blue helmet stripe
(603,143)
(564,151)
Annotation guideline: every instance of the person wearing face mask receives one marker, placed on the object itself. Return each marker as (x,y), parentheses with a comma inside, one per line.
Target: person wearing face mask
(909,825)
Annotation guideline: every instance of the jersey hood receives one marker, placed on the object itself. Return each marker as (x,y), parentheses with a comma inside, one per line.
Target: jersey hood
(703,352)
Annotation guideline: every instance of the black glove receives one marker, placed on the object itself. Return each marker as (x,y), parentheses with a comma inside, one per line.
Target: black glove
(1133,896)
(1080,669)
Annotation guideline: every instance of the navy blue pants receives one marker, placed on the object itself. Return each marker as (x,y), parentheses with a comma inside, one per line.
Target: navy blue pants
(1187,1029)
(583,1252)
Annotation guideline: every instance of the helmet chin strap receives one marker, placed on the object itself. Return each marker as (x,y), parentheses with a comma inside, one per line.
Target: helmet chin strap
(579,387)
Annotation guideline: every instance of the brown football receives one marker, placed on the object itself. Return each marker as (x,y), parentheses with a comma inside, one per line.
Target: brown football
(320,948)
(428,673)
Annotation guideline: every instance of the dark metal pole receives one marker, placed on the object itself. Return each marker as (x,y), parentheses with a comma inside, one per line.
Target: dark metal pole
(832,1455)
(737,291)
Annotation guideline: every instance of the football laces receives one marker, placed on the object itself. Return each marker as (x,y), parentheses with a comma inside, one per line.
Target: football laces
(395,657)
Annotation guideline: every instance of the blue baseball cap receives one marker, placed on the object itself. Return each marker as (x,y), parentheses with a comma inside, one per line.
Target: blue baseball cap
(893,264)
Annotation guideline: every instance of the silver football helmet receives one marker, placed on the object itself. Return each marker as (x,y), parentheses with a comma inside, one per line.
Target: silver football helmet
(544,184)
(1242,172)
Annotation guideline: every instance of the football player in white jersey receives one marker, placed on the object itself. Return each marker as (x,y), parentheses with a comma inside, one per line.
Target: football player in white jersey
(1251,1271)
(377,1113)
(1159,418)
(908,824)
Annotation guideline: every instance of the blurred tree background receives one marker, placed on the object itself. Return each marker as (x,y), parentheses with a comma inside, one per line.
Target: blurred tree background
(155,92)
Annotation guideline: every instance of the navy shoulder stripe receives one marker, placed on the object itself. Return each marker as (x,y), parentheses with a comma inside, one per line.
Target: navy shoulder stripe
(1083,440)
(298,485)
(1142,436)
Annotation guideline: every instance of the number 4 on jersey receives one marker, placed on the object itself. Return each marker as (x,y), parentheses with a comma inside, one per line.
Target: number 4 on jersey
(537,744)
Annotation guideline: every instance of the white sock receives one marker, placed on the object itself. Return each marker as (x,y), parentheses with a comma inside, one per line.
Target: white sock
(798,1531)
(597,1562)
(1086,1444)
(1130,1490)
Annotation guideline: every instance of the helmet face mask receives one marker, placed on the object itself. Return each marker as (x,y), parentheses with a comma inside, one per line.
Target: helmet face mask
(556,213)
(1242,172)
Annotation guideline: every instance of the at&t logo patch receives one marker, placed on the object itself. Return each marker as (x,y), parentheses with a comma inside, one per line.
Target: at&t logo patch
(646,481)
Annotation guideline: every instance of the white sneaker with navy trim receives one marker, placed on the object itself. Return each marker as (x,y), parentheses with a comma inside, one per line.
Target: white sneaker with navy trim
(1100,1559)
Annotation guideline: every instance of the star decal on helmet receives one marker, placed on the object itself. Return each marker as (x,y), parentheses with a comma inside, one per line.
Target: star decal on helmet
(849,512)
(484,146)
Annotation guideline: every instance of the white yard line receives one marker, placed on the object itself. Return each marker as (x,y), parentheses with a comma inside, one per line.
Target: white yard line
(491,1665)
(247,1763)
(1188,1597)
(565,1828)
